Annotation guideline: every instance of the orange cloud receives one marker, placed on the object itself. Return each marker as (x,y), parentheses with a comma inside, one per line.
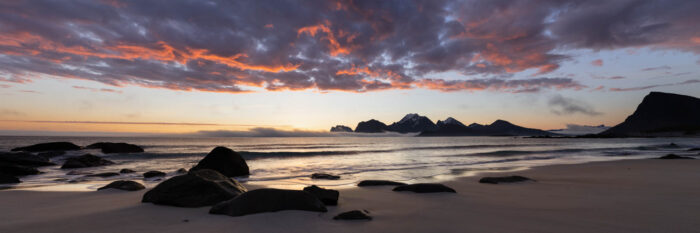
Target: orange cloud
(333,45)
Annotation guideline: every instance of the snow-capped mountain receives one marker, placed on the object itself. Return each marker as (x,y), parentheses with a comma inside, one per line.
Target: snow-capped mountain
(412,123)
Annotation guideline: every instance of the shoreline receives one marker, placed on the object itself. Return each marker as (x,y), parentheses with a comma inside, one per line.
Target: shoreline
(612,196)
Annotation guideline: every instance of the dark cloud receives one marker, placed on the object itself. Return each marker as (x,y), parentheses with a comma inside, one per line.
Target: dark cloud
(242,46)
(574,129)
(692,81)
(657,68)
(565,106)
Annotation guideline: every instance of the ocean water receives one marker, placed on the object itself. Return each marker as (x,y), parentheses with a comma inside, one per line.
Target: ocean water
(288,162)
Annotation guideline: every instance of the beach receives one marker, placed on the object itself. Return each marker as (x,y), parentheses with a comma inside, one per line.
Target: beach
(643,195)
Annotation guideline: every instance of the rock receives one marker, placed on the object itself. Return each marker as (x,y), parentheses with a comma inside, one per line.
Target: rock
(8,179)
(25,159)
(150,174)
(51,154)
(379,183)
(324,176)
(111,147)
(127,185)
(504,179)
(126,170)
(86,160)
(104,174)
(660,114)
(353,215)
(17,170)
(674,156)
(425,188)
(195,189)
(225,161)
(269,200)
(327,196)
(341,128)
(51,146)
(371,126)
(181,171)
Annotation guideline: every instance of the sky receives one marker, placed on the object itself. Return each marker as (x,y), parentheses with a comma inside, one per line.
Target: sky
(118,66)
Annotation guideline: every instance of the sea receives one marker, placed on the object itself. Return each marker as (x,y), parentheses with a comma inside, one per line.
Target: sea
(288,162)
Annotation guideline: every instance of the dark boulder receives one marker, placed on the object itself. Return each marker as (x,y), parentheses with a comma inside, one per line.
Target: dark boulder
(674,156)
(354,215)
(25,159)
(504,179)
(425,188)
(379,183)
(269,200)
(8,179)
(195,189)
(150,174)
(126,170)
(324,176)
(17,170)
(327,196)
(51,146)
(181,171)
(126,185)
(225,161)
(104,174)
(86,160)
(111,147)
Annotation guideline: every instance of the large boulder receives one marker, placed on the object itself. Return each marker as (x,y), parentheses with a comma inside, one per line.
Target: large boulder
(17,170)
(224,161)
(327,196)
(379,183)
(86,160)
(8,179)
(25,159)
(269,200)
(195,189)
(51,146)
(150,174)
(126,185)
(111,147)
(425,188)
(504,179)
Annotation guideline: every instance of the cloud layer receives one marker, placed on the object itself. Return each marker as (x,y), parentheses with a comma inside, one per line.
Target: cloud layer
(239,46)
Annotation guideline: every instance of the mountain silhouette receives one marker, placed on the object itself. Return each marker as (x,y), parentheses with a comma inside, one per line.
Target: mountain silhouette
(660,114)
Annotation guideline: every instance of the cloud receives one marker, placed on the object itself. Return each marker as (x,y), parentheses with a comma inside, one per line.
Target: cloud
(10,112)
(566,106)
(97,89)
(692,81)
(597,62)
(609,77)
(657,68)
(244,46)
(574,129)
(137,123)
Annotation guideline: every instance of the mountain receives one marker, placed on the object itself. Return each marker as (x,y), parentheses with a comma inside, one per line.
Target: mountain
(412,123)
(660,114)
(449,121)
(371,126)
(497,128)
(341,128)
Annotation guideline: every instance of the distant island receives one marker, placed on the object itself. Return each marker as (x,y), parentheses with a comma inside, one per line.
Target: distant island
(659,114)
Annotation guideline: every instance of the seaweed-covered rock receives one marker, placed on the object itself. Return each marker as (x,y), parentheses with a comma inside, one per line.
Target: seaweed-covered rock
(195,189)
(126,185)
(86,160)
(327,196)
(50,146)
(269,200)
(354,215)
(150,174)
(424,188)
(674,156)
(324,176)
(112,147)
(504,179)
(224,161)
(379,183)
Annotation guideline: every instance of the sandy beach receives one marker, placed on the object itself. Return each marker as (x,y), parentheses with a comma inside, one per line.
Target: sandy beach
(620,196)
